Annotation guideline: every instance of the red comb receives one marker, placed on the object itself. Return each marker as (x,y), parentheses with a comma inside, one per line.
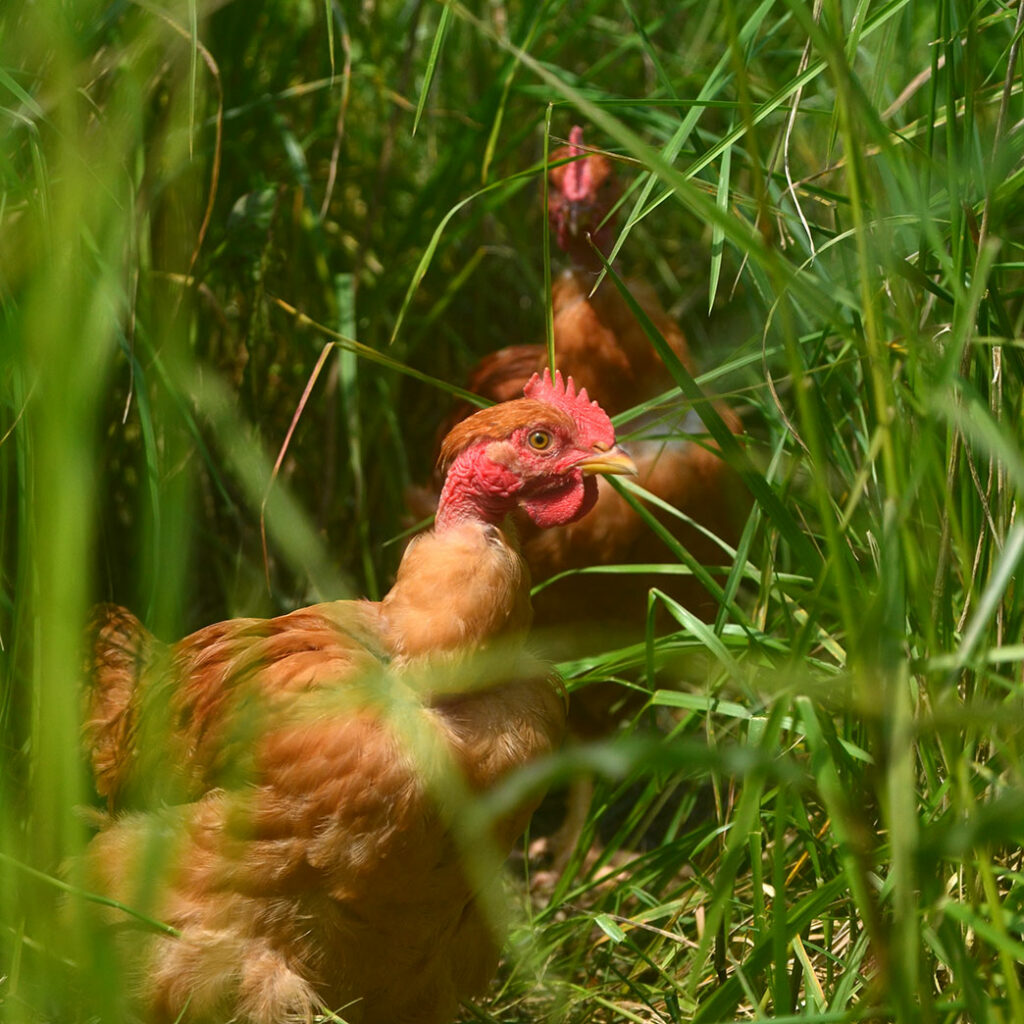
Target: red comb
(577,183)
(590,419)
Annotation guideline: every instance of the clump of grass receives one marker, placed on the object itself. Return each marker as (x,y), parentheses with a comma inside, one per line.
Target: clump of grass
(195,200)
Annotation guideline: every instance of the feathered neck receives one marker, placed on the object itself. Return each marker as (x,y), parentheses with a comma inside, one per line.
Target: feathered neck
(460,587)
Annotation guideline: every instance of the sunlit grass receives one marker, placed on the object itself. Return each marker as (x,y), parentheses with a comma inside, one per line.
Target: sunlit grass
(819,813)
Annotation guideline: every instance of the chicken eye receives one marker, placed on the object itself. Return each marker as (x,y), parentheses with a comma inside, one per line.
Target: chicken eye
(540,440)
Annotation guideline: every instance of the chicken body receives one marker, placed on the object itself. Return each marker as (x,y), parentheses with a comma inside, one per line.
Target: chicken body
(310,766)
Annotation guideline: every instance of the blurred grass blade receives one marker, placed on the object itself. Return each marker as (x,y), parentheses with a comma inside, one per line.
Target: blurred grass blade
(32,108)
(536,19)
(717,236)
(329,22)
(549,309)
(193,68)
(1001,577)
(432,62)
(701,631)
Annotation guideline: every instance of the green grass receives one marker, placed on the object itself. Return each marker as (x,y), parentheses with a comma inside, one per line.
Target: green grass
(195,199)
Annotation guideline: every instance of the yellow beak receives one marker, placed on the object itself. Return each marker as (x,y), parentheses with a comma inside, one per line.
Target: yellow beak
(612,462)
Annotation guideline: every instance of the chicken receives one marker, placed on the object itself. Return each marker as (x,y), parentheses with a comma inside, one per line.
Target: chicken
(599,341)
(300,775)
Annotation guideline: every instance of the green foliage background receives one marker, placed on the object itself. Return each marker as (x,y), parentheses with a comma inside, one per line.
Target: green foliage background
(196,198)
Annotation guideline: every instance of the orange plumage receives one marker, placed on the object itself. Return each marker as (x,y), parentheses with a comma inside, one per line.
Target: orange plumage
(295,776)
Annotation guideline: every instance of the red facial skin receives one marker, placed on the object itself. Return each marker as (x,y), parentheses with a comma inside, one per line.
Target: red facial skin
(526,454)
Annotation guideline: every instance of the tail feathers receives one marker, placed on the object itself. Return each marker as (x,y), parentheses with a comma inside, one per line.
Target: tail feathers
(121,650)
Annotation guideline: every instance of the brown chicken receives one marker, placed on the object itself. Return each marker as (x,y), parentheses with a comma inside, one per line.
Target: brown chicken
(300,774)
(599,341)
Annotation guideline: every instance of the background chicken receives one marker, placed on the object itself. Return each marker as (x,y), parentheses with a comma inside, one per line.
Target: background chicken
(308,765)
(599,341)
